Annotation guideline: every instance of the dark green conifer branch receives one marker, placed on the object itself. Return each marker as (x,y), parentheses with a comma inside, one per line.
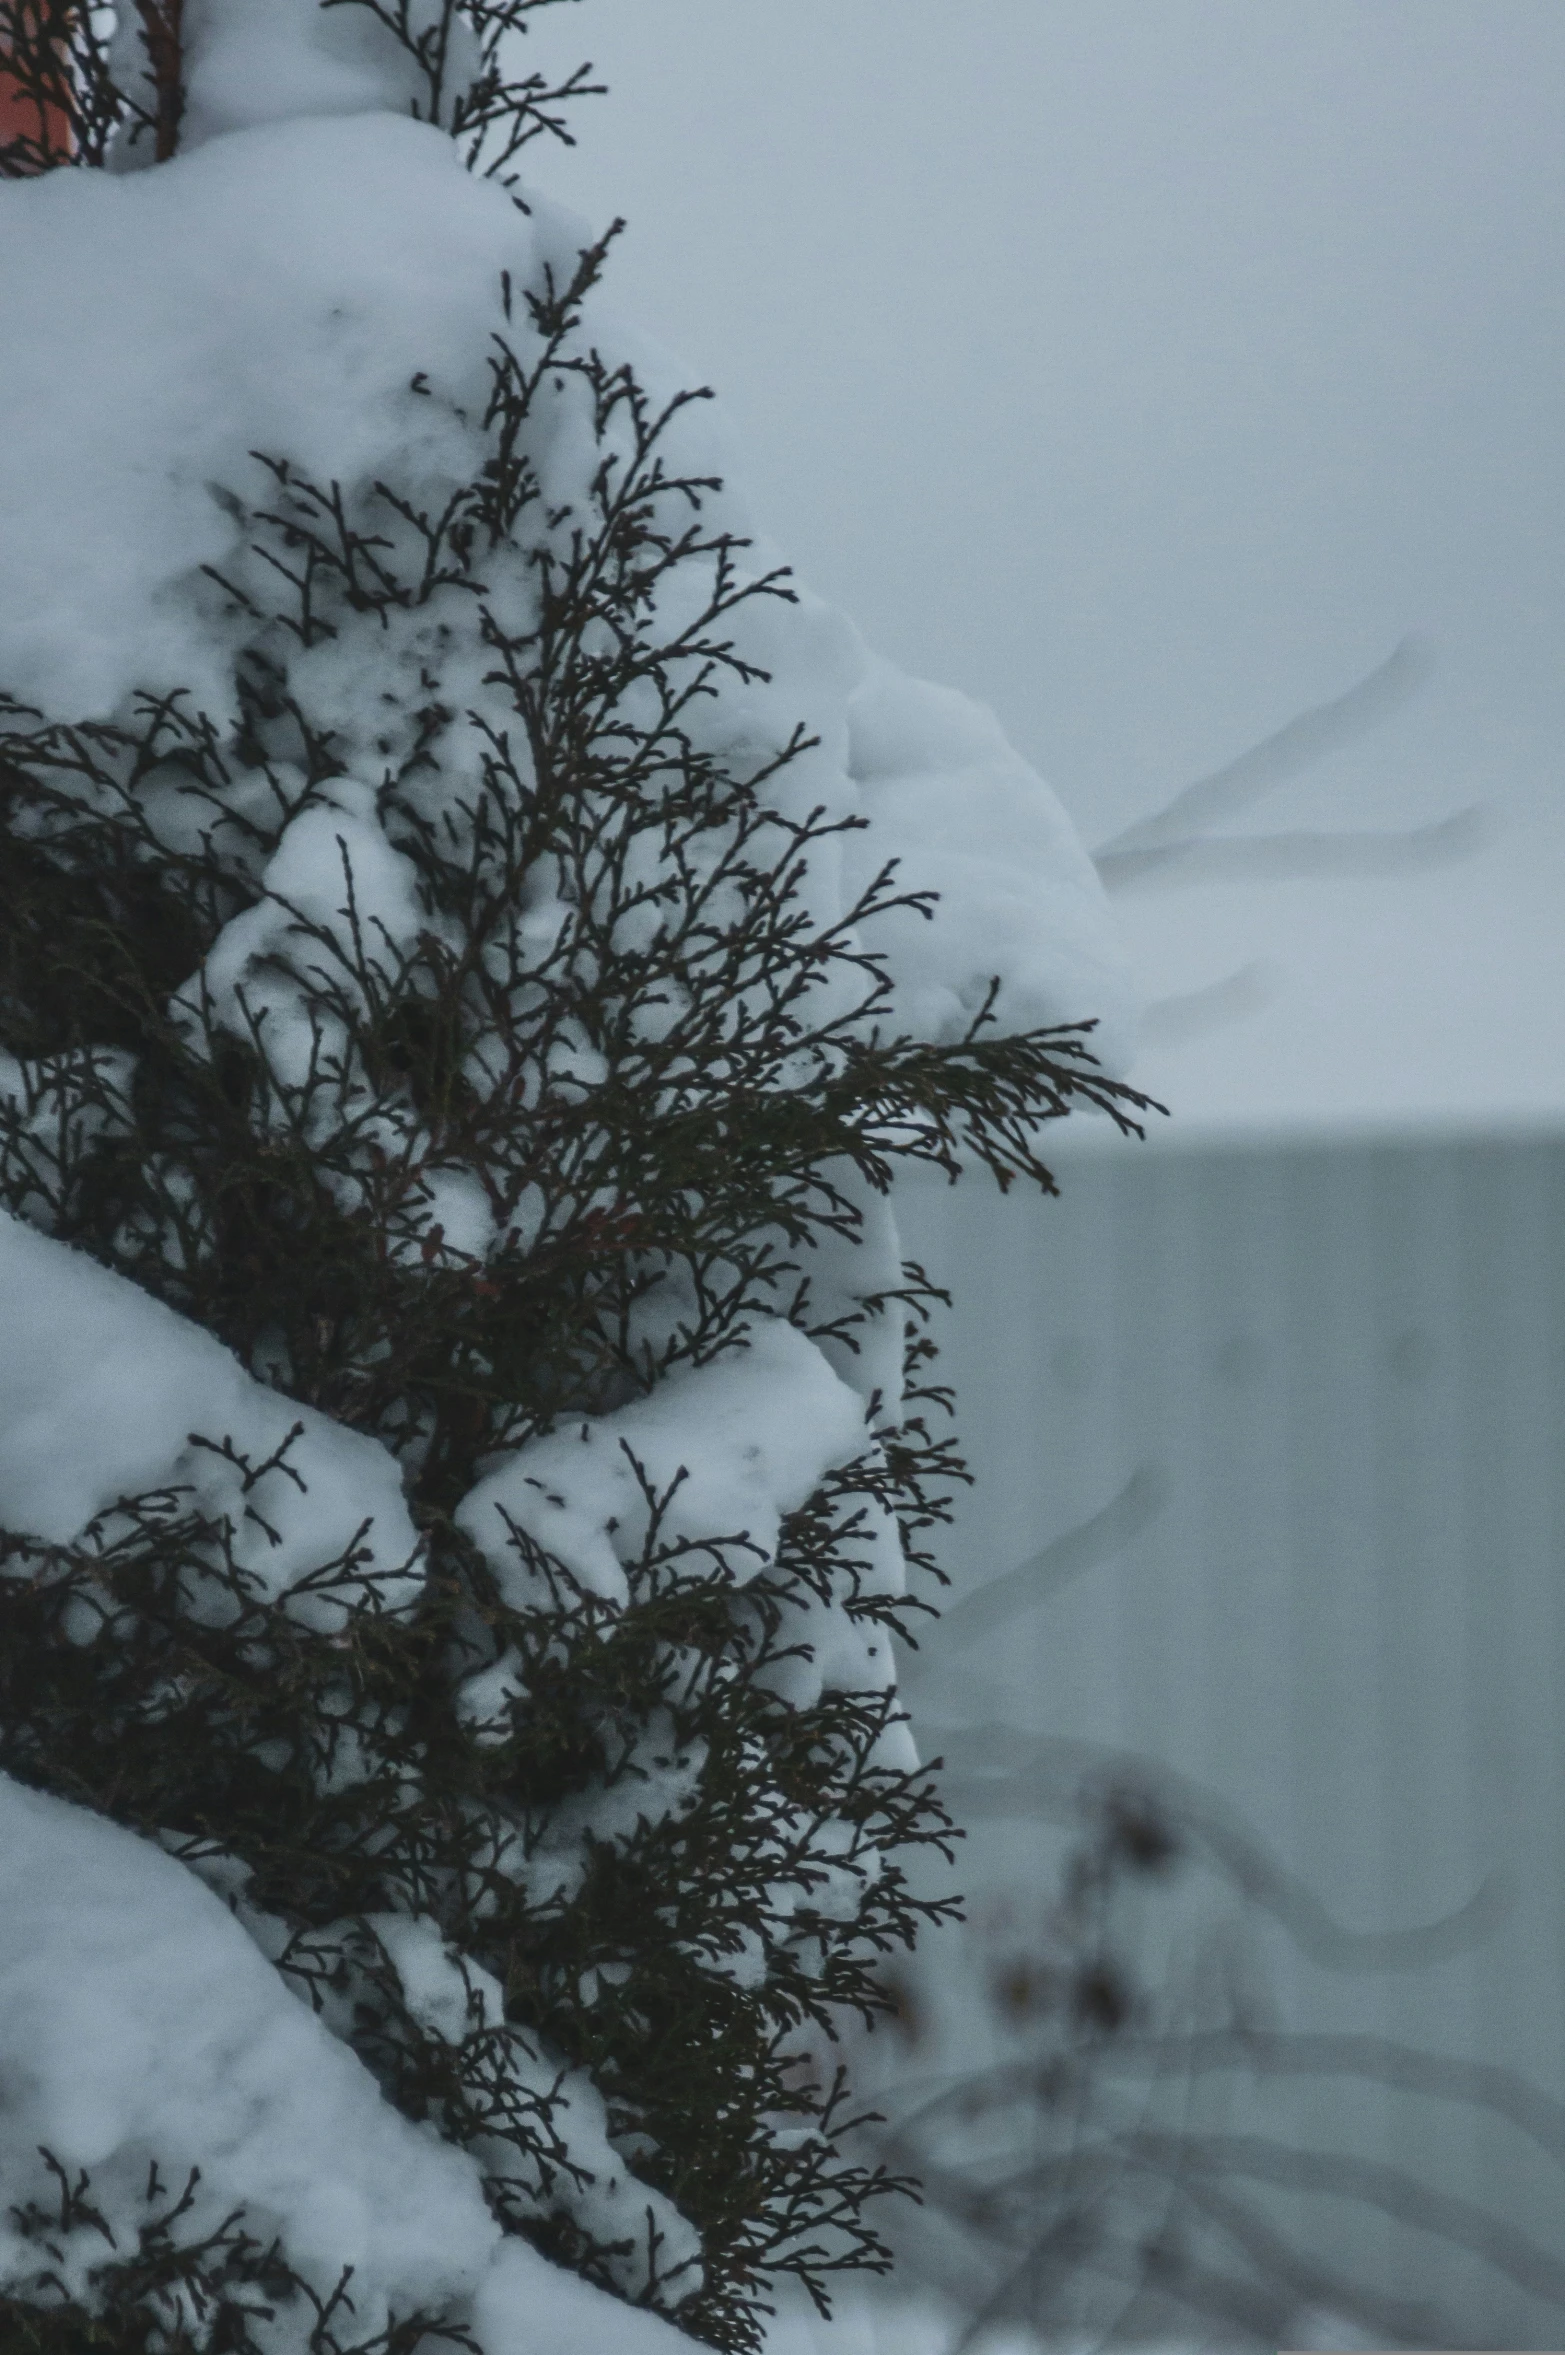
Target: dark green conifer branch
(674,1079)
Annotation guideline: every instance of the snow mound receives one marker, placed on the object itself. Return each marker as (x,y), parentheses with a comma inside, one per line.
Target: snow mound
(278,290)
(948,797)
(710,1463)
(105,1394)
(139,2024)
(245,64)
(732,1447)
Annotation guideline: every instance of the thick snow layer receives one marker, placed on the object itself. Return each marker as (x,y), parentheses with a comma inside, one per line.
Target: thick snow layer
(726,1451)
(277,290)
(731,1447)
(138,2023)
(101,1391)
(966,817)
(451,1996)
(336,880)
(245,64)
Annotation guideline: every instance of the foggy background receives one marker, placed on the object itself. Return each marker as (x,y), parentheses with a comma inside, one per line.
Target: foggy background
(1149,371)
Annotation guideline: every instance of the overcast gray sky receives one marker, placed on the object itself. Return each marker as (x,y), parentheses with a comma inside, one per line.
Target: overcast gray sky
(1149,368)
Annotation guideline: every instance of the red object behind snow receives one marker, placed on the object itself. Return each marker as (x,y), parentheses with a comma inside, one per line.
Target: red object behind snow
(21,117)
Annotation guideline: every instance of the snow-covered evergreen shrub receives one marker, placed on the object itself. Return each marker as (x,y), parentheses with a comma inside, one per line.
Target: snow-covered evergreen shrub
(460,1016)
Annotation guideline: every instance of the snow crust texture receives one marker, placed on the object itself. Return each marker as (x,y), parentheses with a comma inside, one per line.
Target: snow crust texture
(770,1420)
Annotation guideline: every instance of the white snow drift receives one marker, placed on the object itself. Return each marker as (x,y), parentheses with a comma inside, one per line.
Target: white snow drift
(107,1395)
(138,2023)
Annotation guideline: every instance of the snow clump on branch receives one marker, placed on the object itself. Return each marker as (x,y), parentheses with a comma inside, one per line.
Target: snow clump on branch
(483,939)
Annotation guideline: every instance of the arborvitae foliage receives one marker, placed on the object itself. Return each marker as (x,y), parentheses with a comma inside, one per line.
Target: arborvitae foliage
(654,1856)
(85,79)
